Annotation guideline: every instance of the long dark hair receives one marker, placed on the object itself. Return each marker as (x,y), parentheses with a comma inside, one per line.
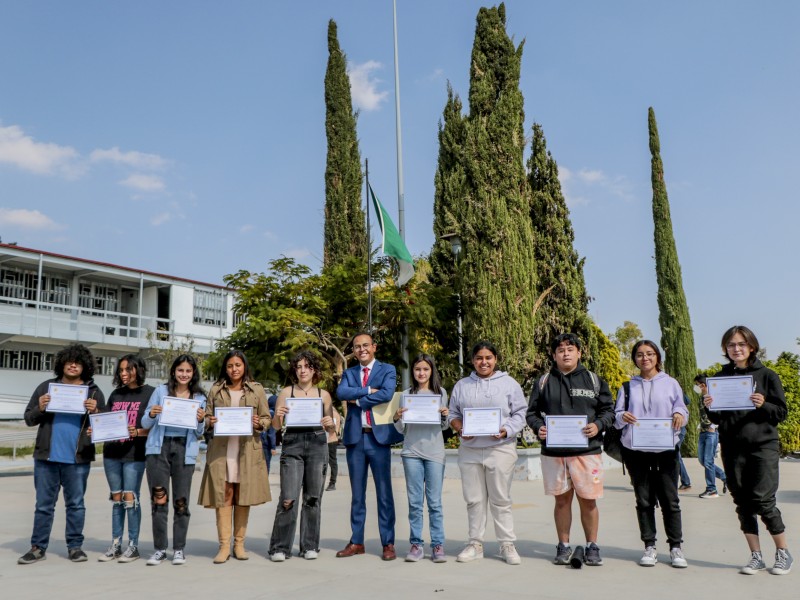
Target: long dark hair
(223,373)
(194,383)
(639,344)
(134,362)
(434,383)
(77,353)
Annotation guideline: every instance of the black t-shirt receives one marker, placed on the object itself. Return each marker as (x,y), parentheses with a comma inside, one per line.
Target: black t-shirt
(135,403)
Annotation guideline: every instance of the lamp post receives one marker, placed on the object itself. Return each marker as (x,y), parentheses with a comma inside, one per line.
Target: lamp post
(456,247)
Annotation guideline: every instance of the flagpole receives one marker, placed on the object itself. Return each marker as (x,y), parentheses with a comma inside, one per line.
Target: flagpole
(369,254)
(401,211)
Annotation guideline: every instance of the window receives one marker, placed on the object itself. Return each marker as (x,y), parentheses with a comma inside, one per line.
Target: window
(210,308)
(26,360)
(98,297)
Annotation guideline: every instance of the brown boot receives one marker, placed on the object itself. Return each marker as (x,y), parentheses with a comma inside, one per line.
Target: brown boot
(240,516)
(224,534)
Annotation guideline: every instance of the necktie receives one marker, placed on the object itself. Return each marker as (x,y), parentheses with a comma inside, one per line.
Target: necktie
(364,379)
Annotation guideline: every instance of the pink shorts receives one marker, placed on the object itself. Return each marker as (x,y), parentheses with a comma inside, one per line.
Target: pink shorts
(583,473)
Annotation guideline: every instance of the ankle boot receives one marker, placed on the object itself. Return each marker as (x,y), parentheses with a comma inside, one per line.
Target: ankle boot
(224,534)
(241,514)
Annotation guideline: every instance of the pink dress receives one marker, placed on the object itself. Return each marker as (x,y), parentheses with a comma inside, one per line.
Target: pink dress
(232,456)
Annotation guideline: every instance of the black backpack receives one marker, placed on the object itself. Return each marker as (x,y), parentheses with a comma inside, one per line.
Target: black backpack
(612,438)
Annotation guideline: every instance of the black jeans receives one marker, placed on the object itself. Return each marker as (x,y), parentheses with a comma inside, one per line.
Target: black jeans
(170,464)
(654,476)
(304,462)
(333,462)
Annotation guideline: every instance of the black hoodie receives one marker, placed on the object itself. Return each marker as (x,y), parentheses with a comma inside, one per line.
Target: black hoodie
(571,394)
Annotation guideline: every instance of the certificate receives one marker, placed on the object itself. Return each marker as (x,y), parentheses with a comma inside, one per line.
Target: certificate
(422,409)
(566,431)
(303,412)
(652,434)
(179,412)
(731,393)
(481,421)
(234,420)
(109,426)
(66,398)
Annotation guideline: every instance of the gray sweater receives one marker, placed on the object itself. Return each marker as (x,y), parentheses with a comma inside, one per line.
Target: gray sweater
(423,441)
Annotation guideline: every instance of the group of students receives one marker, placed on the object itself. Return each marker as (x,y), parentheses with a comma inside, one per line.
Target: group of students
(235,476)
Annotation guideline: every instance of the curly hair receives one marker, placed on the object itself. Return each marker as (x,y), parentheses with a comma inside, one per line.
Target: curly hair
(312,362)
(135,363)
(77,353)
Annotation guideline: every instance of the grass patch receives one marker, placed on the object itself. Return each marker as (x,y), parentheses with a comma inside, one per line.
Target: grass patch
(21,451)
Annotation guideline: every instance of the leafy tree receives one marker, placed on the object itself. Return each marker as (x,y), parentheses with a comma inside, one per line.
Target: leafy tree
(607,362)
(788,369)
(677,338)
(345,227)
(624,337)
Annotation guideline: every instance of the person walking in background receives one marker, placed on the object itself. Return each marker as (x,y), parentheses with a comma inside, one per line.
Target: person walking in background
(707,448)
(269,441)
(333,448)
(683,474)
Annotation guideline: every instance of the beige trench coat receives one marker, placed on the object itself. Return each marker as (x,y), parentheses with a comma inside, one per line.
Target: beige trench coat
(253,478)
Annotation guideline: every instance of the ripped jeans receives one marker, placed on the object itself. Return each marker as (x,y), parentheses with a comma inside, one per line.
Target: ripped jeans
(170,464)
(124,477)
(304,464)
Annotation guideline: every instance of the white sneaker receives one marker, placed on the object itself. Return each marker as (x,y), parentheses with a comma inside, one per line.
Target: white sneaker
(179,558)
(677,558)
(157,558)
(509,553)
(310,554)
(472,551)
(649,558)
(277,557)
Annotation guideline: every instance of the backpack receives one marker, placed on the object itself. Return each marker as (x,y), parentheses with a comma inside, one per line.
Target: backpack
(612,438)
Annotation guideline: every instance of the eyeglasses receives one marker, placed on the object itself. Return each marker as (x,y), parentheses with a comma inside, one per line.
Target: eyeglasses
(734,345)
(363,346)
(646,355)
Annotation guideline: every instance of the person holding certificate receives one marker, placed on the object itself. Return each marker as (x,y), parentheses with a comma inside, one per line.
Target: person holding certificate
(124,459)
(650,411)
(235,477)
(487,410)
(750,446)
(304,412)
(64,451)
(423,454)
(175,417)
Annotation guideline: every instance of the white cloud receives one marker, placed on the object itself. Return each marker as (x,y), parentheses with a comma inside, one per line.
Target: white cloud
(270,235)
(24,152)
(144,183)
(27,219)
(246,228)
(364,87)
(592,176)
(564,175)
(160,219)
(297,253)
(137,160)
(582,185)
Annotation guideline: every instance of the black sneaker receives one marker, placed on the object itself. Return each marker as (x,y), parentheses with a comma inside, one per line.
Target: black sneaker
(724,487)
(77,555)
(592,556)
(131,554)
(563,554)
(113,553)
(35,554)
(331,487)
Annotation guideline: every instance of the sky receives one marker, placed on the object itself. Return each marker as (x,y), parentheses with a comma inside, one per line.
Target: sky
(188,138)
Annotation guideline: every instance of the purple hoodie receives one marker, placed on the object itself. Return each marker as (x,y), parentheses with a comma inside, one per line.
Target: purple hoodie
(657,398)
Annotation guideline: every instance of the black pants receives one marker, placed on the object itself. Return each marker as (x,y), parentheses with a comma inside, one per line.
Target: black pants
(654,476)
(752,473)
(332,461)
(162,468)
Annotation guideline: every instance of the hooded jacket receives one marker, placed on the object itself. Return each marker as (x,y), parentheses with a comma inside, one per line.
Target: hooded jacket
(571,394)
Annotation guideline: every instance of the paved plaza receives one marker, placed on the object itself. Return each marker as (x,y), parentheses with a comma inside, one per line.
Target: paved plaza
(714,547)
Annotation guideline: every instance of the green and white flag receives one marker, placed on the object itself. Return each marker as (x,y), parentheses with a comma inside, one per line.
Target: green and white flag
(391,242)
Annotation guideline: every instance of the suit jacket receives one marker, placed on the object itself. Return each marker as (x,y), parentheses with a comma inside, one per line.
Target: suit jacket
(383,377)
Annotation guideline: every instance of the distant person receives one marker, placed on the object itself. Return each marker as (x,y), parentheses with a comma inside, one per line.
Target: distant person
(683,474)
(570,389)
(707,448)
(751,448)
(63,454)
(333,448)
(269,442)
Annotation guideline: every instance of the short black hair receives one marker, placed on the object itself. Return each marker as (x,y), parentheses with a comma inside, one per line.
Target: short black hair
(483,345)
(700,378)
(359,334)
(570,338)
(138,365)
(77,353)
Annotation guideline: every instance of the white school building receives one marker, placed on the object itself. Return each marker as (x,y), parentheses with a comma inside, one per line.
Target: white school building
(49,300)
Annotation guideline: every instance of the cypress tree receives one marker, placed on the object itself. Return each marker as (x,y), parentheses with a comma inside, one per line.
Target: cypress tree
(497,271)
(677,338)
(345,227)
(558,267)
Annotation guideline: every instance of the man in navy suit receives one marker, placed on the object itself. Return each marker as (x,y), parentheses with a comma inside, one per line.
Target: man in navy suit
(364,386)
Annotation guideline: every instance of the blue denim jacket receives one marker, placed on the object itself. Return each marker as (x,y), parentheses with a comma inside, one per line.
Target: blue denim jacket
(156,436)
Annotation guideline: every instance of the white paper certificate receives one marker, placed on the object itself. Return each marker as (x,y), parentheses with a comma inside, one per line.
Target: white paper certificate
(233,420)
(481,421)
(566,431)
(109,426)
(179,412)
(303,412)
(652,434)
(422,408)
(66,398)
(731,393)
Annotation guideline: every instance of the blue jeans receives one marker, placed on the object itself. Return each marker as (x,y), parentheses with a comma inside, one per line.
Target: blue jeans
(683,473)
(706,449)
(125,477)
(424,476)
(48,479)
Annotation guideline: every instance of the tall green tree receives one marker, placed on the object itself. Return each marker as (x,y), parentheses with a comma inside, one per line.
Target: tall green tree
(625,336)
(345,227)
(559,268)
(677,338)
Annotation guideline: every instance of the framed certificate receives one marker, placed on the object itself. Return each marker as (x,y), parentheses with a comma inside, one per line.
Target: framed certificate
(233,420)
(303,412)
(109,426)
(652,434)
(481,421)
(566,431)
(731,393)
(422,409)
(65,398)
(179,412)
